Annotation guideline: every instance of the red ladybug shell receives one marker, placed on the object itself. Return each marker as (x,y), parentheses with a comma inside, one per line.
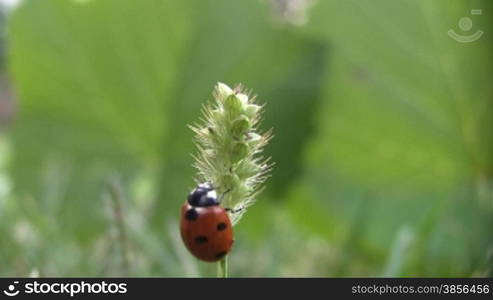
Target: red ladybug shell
(206,231)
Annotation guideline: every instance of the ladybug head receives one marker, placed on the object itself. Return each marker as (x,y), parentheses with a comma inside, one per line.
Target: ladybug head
(203,195)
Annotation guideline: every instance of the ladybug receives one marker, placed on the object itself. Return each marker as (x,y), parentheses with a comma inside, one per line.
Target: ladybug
(205,226)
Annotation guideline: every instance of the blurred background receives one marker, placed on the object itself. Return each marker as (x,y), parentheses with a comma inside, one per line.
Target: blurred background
(383,134)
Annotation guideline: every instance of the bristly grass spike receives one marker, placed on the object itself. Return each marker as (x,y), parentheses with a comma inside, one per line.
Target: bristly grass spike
(229,147)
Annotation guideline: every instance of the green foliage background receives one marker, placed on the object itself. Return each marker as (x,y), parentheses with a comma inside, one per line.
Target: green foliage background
(383,137)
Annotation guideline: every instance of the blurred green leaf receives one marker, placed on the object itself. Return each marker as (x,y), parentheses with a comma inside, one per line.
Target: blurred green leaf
(94,80)
(403,122)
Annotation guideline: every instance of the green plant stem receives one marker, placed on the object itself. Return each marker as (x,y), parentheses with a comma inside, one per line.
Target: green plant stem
(117,201)
(222,268)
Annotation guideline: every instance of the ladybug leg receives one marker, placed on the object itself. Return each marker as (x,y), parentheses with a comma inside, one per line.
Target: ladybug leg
(224,194)
(234,211)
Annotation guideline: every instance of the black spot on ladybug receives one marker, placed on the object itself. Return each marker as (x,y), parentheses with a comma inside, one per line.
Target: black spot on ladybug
(191,214)
(221,226)
(220,254)
(201,239)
